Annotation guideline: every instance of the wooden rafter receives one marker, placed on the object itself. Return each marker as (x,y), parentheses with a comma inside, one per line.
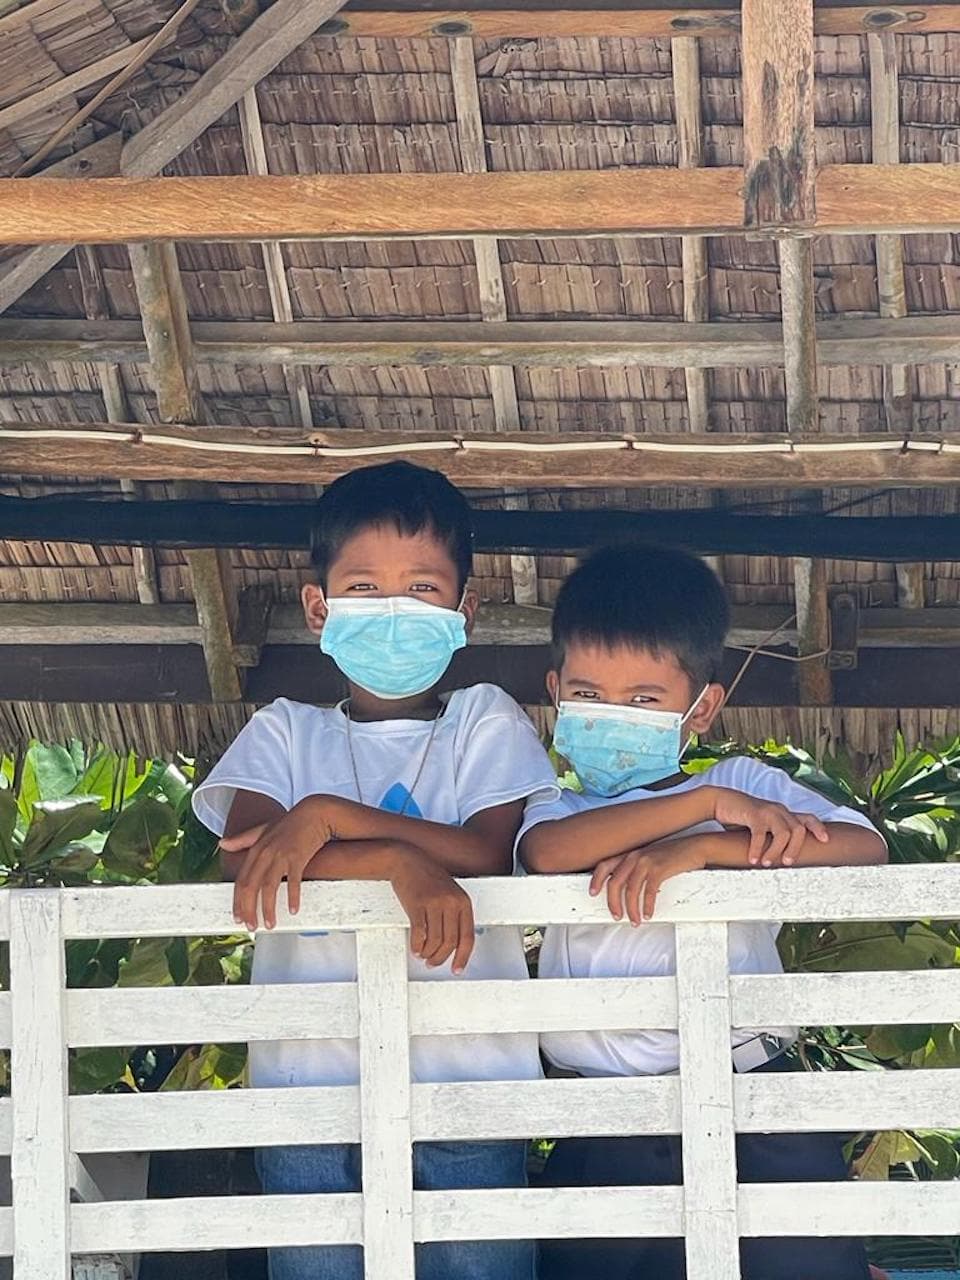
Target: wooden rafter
(851,200)
(252,55)
(97,307)
(814,683)
(163,309)
(556,344)
(485,21)
(171,624)
(493,298)
(255,153)
(481,460)
(89,75)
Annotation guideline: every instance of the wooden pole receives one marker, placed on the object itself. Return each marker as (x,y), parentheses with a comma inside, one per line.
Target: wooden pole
(799,334)
(166,327)
(778,114)
(814,683)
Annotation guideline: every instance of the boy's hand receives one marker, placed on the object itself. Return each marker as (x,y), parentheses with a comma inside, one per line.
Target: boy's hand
(275,852)
(776,833)
(440,913)
(632,880)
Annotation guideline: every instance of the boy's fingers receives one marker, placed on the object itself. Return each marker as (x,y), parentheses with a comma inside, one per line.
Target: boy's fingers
(243,839)
(615,895)
(294,887)
(601,872)
(634,893)
(650,891)
(774,850)
(437,946)
(418,933)
(793,849)
(465,945)
(758,838)
(816,828)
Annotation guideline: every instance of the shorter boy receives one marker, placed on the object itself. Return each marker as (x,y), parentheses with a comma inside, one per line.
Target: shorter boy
(638,637)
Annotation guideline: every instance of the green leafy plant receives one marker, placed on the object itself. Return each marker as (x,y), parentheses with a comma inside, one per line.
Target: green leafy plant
(915,803)
(73,817)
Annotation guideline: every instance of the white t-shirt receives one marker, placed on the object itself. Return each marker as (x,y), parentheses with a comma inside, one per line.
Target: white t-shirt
(619,951)
(485,752)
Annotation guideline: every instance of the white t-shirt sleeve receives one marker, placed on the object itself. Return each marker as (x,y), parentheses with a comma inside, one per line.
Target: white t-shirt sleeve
(562,803)
(257,760)
(500,757)
(765,782)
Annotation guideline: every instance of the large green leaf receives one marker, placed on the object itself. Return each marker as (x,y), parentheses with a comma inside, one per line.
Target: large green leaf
(93,1070)
(878,945)
(8,825)
(147,965)
(56,824)
(55,769)
(140,837)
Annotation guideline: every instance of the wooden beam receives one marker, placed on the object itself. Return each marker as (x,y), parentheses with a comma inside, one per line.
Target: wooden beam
(137,60)
(851,200)
(814,683)
(97,307)
(910,587)
(685,57)
(628,22)
(799,334)
(50,94)
(174,624)
(100,160)
(163,310)
(493,298)
(779,168)
(255,153)
(481,460)
(253,55)
(590,343)
(885,131)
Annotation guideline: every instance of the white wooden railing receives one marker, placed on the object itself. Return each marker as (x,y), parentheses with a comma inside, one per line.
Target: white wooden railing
(45,1129)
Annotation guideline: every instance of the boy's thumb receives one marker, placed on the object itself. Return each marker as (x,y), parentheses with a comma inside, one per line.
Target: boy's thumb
(242,840)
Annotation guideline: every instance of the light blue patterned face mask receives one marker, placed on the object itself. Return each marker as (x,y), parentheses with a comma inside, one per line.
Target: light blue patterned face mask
(613,748)
(392,646)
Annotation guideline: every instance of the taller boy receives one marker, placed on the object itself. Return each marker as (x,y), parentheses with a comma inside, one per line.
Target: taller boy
(399,784)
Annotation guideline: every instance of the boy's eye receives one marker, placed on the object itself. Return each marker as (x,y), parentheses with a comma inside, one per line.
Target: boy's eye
(643,700)
(585,693)
(362,586)
(421,588)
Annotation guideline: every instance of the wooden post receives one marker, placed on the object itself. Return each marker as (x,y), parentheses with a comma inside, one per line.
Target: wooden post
(493,300)
(173,369)
(96,307)
(40,1088)
(255,152)
(799,334)
(685,54)
(814,682)
(778,114)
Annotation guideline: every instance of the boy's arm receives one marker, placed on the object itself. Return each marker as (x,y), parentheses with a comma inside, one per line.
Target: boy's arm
(632,880)
(583,840)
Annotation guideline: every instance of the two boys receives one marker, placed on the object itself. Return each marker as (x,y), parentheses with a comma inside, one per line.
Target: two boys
(401,784)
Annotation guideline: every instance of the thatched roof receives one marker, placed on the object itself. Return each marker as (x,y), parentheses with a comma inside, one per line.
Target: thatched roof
(341,104)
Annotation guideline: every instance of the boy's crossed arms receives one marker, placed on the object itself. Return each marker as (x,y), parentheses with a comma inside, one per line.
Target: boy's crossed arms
(628,847)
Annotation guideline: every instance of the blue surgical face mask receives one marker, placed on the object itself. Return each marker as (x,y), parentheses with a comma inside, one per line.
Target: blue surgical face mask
(614,749)
(392,646)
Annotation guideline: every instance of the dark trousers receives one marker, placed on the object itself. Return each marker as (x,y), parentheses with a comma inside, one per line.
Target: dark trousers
(656,1162)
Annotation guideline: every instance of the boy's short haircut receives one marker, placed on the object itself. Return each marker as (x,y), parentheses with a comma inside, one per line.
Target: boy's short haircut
(410,498)
(652,598)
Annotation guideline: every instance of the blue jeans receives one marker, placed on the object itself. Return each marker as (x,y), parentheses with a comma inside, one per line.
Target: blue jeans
(437,1166)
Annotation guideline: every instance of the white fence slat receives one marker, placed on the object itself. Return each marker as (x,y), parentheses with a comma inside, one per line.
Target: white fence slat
(4,916)
(549,1213)
(39,1087)
(207,1119)
(559,1108)
(5,1031)
(850,1208)
(845,1102)
(185,1015)
(215,1222)
(6,1126)
(6,1232)
(385,1103)
(922,892)
(846,999)
(552,1004)
(706,1101)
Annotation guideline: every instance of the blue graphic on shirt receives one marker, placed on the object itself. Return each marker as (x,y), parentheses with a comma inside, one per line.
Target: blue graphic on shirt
(397,799)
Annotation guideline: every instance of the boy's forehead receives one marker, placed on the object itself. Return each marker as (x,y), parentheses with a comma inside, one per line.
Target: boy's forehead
(629,664)
(386,544)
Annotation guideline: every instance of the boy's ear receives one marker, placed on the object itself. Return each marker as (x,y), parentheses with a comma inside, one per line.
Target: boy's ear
(314,607)
(708,709)
(553,686)
(469,606)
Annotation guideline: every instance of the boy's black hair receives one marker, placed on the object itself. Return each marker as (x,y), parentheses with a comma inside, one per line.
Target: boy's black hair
(398,493)
(652,598)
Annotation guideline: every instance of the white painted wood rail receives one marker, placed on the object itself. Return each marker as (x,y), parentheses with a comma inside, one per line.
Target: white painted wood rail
(44,1129)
